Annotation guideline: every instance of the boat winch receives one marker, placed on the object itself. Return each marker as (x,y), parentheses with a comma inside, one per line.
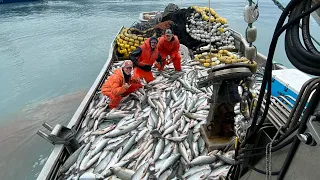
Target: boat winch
(224,80)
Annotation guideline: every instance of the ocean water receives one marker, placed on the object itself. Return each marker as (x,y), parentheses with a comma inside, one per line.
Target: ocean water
(52,51)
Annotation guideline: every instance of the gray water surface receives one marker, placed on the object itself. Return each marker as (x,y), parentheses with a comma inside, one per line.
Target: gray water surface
(52,51)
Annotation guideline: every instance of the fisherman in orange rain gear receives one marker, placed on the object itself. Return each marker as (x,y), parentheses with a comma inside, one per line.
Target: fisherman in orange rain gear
(168,48)
(120,84)
(144,57)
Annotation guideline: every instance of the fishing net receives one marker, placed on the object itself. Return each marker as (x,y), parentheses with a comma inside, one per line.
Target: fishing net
(142,26)
(175,19)
(170,9)
(161,27)
(179,27)
(146,33)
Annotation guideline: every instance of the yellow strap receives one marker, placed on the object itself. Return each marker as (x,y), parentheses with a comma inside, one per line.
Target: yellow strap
(236,142)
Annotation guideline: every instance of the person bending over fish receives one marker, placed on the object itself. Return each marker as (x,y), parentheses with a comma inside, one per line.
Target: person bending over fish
(120,84)
(144,57)
(168,48)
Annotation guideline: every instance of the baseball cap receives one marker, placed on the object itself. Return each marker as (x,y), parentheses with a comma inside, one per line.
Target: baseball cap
(153,39)
(168,32)
(127,64)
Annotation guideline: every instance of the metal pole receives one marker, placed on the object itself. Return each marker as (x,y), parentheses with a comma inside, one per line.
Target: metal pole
(210,35)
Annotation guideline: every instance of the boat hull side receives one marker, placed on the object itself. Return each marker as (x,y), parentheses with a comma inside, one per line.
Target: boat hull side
(49,171)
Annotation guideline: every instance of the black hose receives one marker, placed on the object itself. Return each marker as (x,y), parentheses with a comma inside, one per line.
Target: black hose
(269,67)
(235,169)
(231,172)
(298,56)
(307,65)
(296,29)
(297,64)
(269,60)
(306,32)
(303,88)
(296,126)
(273,149)
(263,172)
(310,109)
(283,137)
(297,19)
(295,46)
(303,103)
(268,75)
(277,147)
(237,172)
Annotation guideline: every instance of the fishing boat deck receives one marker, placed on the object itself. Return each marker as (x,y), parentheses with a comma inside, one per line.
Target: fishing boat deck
(60,153)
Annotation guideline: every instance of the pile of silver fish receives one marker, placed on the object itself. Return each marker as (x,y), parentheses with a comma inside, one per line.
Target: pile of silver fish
(154,134)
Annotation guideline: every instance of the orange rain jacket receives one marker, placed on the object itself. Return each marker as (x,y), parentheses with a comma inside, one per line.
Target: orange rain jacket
(168,47)
(115,82)
(143,55)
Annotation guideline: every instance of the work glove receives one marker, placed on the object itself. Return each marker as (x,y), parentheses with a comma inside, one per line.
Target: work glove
(135,81)
(146,67)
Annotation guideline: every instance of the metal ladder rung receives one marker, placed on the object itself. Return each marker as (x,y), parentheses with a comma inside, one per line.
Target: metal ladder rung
(273,115)
(279,114)
(281,106)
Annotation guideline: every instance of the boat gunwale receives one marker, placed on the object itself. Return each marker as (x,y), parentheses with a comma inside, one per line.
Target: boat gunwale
(260,58)
(51,163)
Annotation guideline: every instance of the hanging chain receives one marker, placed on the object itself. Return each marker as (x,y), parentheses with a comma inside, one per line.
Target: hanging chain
(268,156)
(267,161)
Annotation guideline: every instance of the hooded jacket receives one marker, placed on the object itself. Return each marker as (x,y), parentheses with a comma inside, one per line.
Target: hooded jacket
(114,84)
(144,55)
